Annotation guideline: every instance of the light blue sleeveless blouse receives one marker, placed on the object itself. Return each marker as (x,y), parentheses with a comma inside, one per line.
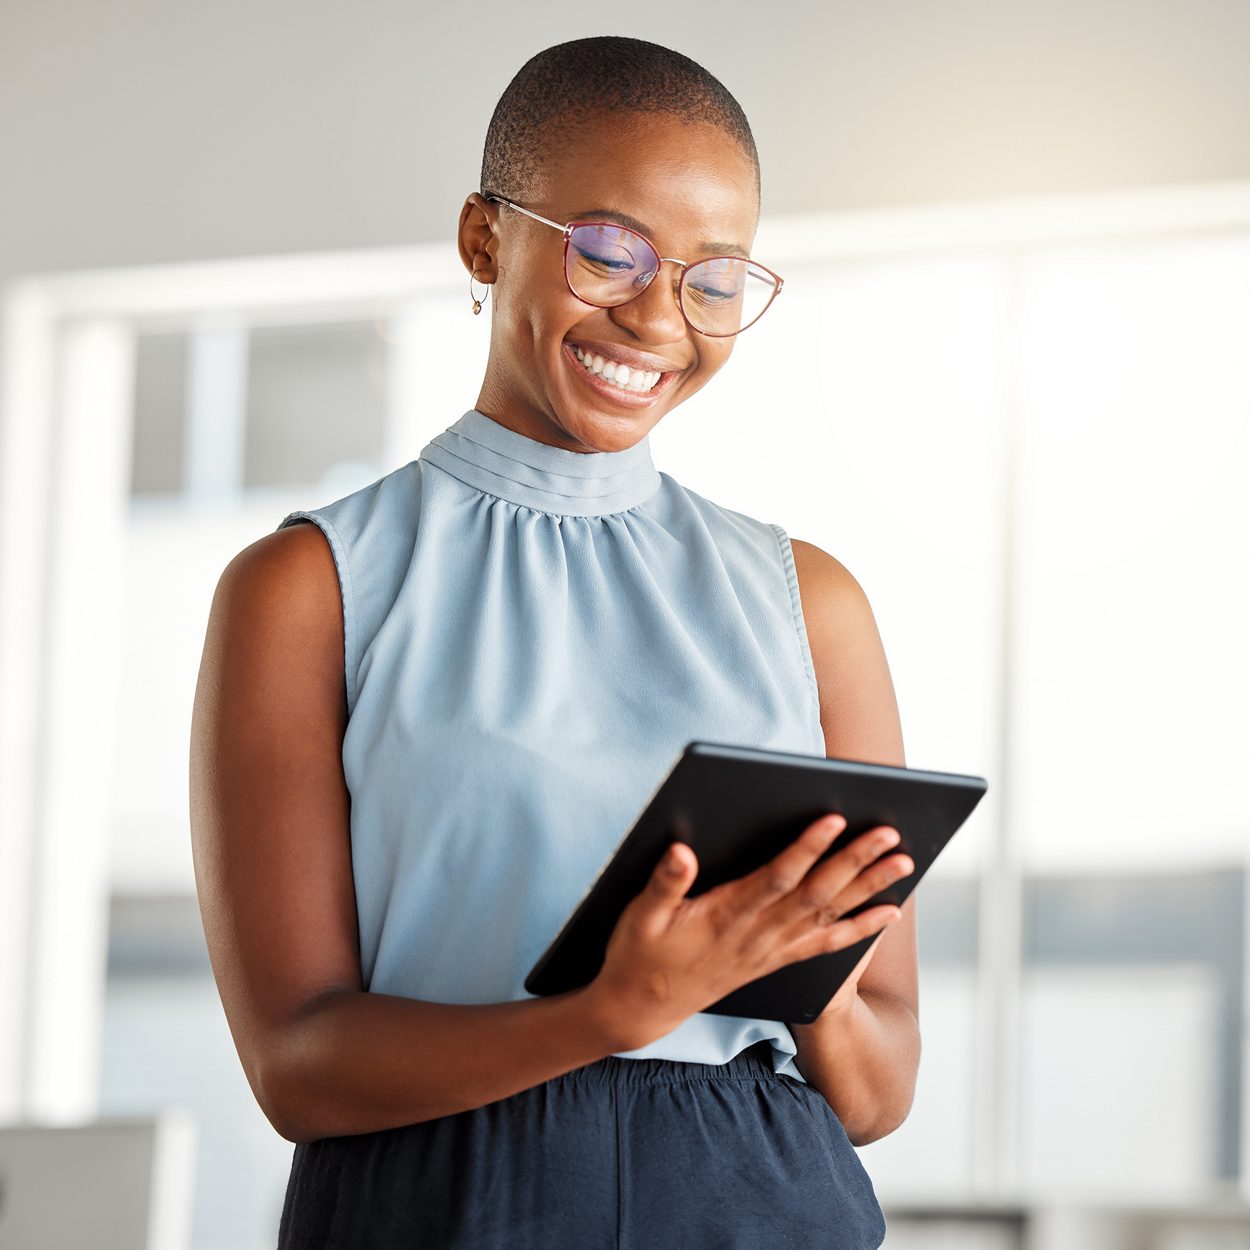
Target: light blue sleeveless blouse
(531,636)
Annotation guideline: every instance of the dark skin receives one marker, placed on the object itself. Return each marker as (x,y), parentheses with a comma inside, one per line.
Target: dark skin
(270,810)
(687,200)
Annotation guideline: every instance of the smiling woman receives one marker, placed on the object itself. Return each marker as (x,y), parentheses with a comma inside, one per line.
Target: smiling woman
(428,711)
(689,183)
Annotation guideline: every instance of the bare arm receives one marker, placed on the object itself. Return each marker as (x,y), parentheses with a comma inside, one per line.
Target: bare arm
(863,1052)
(271,848)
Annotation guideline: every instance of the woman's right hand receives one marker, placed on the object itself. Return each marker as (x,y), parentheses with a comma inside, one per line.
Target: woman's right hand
(670,956)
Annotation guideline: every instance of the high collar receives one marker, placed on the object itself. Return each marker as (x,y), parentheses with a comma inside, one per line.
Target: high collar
(481,452)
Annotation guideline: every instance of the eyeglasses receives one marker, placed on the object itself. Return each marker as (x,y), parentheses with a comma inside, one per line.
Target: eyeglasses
(606,265)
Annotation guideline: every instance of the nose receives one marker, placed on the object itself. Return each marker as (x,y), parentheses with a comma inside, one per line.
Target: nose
(654,314)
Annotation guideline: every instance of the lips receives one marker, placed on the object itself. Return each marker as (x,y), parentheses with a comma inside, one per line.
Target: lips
(609,390)
(645,362)
(637,381)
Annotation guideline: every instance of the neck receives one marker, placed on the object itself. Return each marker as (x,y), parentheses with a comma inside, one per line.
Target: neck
(507,409)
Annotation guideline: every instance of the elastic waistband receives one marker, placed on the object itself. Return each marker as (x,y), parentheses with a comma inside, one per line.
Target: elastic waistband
(754,1063)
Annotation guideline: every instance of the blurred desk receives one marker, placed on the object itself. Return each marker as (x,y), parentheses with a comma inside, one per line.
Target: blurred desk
(1218,1221)
(114,1184)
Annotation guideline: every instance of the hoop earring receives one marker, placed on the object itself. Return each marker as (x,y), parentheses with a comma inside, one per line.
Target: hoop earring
(477,303)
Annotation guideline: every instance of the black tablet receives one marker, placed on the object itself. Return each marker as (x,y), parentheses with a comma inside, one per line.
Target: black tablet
(737,807)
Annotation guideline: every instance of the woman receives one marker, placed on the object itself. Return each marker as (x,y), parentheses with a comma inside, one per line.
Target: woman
(428,711)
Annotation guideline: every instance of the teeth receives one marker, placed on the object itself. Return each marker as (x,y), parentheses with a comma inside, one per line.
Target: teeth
(637,380)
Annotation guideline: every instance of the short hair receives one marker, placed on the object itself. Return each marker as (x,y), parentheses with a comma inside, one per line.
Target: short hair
(564,85)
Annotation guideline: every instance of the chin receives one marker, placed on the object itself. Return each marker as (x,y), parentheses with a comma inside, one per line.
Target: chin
(598,432)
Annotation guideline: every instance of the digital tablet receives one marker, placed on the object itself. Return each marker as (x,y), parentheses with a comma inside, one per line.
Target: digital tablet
(737,807)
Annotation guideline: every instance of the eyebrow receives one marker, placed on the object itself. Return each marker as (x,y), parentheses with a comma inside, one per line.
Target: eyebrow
(624,219)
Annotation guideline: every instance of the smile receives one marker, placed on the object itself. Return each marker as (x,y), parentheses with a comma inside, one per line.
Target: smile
(636,380)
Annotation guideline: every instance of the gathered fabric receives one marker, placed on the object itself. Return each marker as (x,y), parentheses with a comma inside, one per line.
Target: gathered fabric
(531,637)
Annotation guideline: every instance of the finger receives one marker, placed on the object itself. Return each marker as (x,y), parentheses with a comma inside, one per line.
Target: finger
(671,878)
(825,939)
(777,878)
(810,903)
(820,892)
(840,870)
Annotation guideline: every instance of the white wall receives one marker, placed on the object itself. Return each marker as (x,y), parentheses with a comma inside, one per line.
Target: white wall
(135,131)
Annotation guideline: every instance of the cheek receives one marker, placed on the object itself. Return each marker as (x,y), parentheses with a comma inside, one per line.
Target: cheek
(713,356)
(537,304)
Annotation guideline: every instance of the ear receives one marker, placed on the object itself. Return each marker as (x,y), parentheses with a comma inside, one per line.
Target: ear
(476,237)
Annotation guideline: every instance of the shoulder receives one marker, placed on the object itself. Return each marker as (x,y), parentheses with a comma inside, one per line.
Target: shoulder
(858,708)
(689,511)
(676,493)
(833,600)
(312,560)
(293,565)
(278,599)
(825,574)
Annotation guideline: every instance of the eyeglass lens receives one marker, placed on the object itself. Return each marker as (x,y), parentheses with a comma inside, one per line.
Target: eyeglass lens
(608,264)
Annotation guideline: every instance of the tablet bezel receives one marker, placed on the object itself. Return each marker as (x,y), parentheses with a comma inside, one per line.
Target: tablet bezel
(737,807)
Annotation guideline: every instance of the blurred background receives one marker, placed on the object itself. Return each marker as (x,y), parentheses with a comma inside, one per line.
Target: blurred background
(1007,384)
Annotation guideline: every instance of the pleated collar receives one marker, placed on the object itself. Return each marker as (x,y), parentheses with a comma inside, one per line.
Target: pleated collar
(481,452)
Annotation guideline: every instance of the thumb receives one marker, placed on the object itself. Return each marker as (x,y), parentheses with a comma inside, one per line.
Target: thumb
(673,875)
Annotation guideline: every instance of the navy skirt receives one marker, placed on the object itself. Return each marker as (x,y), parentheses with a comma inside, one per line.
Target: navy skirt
(622,1154)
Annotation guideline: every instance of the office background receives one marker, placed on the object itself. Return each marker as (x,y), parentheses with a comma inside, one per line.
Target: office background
(1006,384)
